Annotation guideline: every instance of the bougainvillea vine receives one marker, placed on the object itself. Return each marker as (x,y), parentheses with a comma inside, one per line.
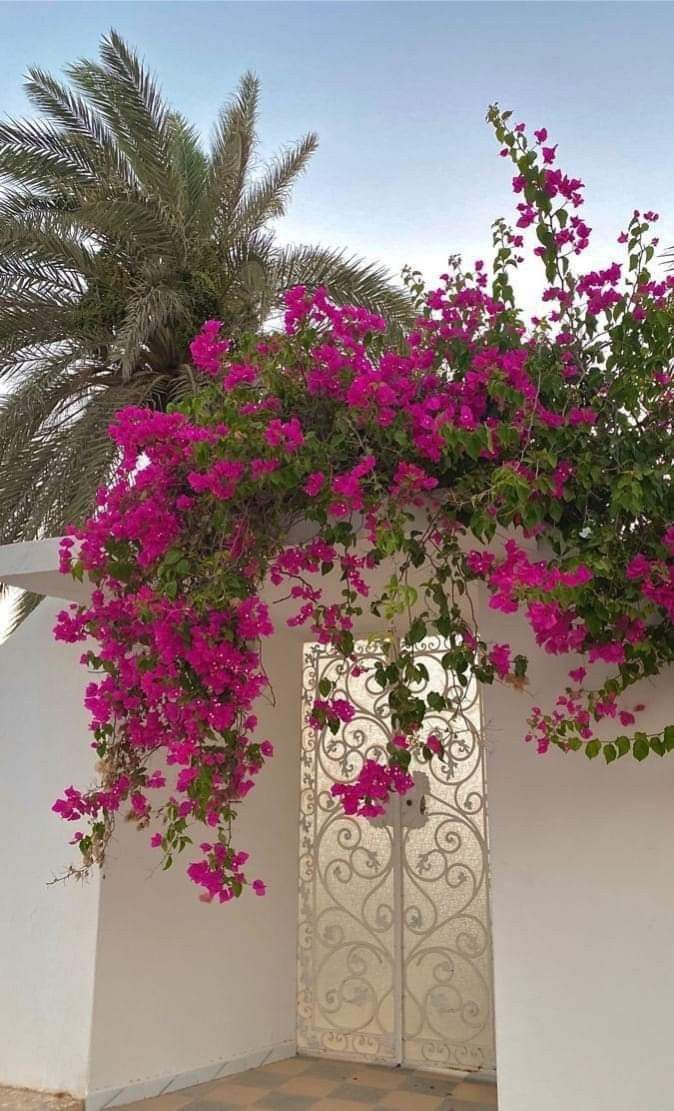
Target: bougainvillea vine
(529,457)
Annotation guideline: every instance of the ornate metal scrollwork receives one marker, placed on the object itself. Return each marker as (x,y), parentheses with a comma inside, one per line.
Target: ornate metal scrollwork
(394,942)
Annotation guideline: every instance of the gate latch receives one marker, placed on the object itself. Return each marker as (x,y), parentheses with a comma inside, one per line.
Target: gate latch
(414,802)
(412,806)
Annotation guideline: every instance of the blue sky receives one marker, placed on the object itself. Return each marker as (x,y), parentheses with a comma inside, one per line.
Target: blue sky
(407,169)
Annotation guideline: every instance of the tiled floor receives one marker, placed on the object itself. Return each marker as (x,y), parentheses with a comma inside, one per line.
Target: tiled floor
(326,1085)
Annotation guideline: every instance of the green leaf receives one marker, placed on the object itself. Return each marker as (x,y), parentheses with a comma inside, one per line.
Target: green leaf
(641,747)
(521,663)
(436,701)
(345,642)
(610,753)
(416,631)
(444,625)
(592,749)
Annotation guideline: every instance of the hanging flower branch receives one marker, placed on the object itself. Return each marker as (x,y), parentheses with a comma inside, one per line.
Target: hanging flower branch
(495,433)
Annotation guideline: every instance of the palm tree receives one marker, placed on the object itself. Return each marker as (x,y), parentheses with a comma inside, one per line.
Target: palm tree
(119,235)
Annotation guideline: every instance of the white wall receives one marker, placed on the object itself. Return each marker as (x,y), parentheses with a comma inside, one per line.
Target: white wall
(47,934)
(583,909)
(181,985)
(152,984)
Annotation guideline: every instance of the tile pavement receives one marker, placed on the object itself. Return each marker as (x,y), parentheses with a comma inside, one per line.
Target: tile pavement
(327,1085)
(296,1083)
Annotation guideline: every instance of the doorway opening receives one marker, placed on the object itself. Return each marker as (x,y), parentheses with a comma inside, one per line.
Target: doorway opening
(394,949)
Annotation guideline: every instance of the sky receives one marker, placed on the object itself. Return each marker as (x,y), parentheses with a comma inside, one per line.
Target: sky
(407,171)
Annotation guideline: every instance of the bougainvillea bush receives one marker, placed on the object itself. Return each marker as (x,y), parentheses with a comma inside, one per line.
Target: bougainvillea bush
(537,452)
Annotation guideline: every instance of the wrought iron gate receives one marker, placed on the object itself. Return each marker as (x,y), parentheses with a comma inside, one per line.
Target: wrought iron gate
(394,959)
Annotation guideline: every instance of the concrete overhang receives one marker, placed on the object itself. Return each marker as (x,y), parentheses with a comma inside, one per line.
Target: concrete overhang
(34,565)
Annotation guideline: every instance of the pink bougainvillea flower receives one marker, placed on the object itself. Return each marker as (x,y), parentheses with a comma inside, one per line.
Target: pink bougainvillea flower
(472,455)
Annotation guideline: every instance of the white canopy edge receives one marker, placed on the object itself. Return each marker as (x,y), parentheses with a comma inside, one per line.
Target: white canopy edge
(34,565)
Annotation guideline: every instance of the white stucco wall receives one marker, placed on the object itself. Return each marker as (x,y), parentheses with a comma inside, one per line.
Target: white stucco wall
(583,908)
(149,984)
(47,933)
(181,985)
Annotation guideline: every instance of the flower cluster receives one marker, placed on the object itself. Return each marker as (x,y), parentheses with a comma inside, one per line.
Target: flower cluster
(531,457)
(371,790)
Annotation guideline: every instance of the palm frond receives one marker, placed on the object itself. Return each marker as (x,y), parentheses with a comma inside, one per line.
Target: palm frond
(132,220)
(22,606)
(40,156)
(30,318)
(190,165)
(234,140)
(349,279)
(50,479)
(266,200)
(129,101)
(25,202)
(148,312)
(51,242)
(79,121)
(35,400)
